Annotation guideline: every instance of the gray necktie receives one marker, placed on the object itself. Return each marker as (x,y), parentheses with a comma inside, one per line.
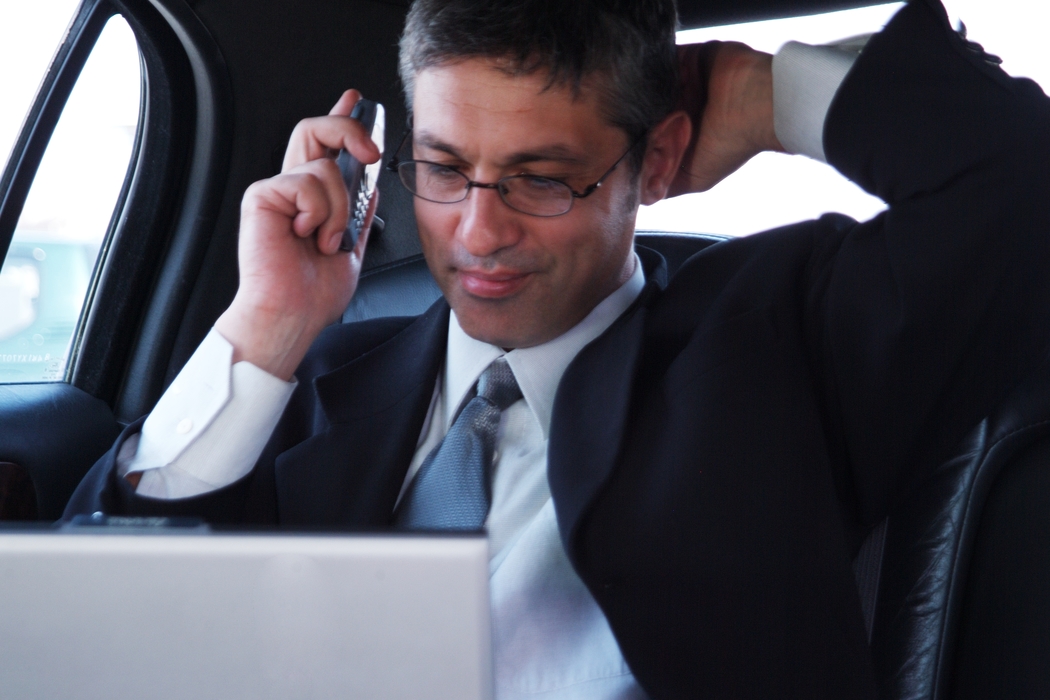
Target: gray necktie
(451,490)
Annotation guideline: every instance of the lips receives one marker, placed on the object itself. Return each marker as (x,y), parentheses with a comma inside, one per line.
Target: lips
(492,285)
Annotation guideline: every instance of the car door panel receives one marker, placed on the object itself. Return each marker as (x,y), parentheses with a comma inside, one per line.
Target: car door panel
(54,432)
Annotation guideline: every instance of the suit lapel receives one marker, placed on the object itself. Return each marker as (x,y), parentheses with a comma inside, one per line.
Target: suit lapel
(592,406)
(351,473)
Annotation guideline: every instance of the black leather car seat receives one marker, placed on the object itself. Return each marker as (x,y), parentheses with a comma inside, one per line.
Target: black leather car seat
(962,603)
(17,493)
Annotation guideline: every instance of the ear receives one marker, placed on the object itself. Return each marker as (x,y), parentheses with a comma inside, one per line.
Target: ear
(663,155)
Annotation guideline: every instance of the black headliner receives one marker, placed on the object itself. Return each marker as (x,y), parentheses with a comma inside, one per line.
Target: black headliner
(710,13)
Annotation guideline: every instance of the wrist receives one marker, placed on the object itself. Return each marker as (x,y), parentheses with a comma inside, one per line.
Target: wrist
(753,71)
(728,92)
(274,342)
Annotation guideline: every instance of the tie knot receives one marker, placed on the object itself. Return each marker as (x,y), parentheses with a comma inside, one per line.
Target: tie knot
(497,384)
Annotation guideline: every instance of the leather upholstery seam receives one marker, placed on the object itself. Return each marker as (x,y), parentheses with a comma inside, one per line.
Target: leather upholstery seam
(983,478)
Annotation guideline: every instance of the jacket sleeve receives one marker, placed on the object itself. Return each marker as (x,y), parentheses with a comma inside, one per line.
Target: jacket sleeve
(922,319)
(252,498)
(103,490)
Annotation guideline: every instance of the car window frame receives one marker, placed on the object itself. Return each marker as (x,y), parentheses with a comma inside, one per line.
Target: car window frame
(158,234)
(39,124)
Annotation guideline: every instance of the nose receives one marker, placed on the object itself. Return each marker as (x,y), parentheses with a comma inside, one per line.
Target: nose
(487,225)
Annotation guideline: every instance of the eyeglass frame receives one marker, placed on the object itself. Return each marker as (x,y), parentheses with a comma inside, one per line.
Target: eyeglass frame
(395,164)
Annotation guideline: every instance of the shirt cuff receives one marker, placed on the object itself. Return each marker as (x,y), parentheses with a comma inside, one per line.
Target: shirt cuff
(209,427)
(805,80)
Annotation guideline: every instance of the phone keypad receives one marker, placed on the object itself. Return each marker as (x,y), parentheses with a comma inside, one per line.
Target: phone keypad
(360,207)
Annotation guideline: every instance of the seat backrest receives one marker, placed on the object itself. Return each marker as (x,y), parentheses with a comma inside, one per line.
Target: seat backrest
(1003,646)
(964,547)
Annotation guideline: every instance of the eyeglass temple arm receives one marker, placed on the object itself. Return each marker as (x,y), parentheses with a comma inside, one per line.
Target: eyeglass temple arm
(394,161)
(591,188)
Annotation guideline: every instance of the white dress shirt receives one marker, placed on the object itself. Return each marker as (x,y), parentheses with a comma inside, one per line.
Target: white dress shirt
(550,639)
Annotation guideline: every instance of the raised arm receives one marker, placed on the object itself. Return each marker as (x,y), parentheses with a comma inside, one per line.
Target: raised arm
(211,425)
(924,317)
(294,281)
(919,321)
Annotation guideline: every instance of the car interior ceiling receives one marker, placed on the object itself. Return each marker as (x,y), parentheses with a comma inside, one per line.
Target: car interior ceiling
(953,584)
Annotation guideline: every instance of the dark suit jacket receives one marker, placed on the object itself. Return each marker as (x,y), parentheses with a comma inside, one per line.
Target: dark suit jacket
(716,456)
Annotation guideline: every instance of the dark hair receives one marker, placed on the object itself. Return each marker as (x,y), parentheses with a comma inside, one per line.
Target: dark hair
(627,45)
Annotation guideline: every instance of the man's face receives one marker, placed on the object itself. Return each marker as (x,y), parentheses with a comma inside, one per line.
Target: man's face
(516,280)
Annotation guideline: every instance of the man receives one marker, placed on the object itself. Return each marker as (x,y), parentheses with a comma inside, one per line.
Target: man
(675,498)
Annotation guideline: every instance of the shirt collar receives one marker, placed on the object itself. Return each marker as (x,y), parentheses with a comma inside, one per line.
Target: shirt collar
(538,369)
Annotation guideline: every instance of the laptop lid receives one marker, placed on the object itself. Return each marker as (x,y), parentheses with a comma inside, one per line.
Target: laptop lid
(236,616)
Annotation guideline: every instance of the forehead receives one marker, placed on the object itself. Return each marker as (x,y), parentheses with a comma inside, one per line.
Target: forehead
(475,106)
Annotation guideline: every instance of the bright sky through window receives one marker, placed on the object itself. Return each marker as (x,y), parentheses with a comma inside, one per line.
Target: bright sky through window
(775,189)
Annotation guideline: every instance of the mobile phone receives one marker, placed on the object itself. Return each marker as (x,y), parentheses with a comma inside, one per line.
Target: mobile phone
(360,179)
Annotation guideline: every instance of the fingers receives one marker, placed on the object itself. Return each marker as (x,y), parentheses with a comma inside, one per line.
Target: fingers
(308,199)
(323,204)
(319,137)
(346,103)
(694,69)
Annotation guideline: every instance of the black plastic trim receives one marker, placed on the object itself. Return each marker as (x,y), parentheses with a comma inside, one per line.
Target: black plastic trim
(205,189)
(135,248)
(175,196)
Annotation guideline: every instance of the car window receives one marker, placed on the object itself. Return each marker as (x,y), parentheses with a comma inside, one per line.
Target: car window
(29,33)
(775,189)
(47,274)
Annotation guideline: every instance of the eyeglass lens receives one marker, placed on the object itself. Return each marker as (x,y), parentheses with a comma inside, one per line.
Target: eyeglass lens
(528,194)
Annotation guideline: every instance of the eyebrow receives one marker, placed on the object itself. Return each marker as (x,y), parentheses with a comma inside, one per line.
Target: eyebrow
(556,153)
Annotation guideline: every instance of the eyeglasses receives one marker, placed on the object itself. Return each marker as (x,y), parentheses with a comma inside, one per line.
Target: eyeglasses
(528,194)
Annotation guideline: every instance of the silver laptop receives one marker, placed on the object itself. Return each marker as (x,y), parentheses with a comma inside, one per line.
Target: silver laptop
(235,616)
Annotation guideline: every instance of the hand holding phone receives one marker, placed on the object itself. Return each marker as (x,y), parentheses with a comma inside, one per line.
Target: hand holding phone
(360,179)
(293,280)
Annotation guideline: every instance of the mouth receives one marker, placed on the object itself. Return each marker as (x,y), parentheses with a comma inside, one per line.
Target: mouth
(492,285)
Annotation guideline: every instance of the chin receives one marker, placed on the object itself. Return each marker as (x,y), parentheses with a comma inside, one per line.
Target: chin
(506,338)
(503,330)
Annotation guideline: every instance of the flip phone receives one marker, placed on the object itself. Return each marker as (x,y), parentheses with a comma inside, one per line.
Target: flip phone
(360,179)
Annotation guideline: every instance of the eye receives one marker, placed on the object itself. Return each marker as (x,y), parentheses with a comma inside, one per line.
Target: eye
(539,185)
(441,173)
